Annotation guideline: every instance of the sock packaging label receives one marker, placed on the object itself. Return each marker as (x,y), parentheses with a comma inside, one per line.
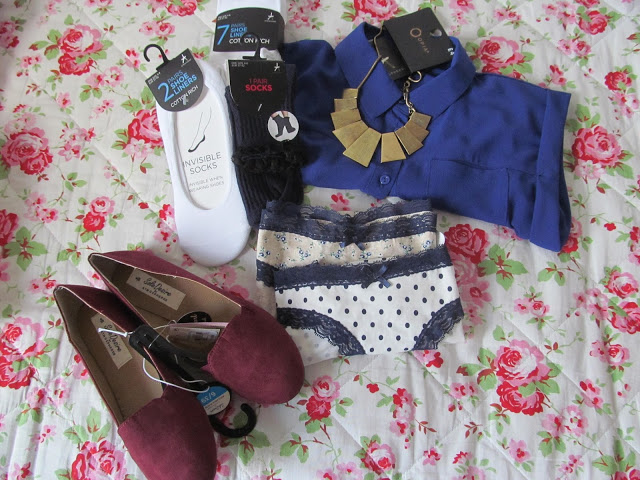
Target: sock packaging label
(258,86)
(267,27)
(178,83)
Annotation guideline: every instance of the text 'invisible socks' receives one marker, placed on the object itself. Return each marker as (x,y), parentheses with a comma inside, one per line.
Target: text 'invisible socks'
(209,211)
(266,168)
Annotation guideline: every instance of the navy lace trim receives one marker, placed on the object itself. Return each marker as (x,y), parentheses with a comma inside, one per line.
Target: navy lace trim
(348,232)
(321,223)
(264,273)
(288,209)
(364,274)
(440,324)
(324,327)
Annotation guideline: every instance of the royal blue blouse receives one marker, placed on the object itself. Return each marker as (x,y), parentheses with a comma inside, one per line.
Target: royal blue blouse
(494,151)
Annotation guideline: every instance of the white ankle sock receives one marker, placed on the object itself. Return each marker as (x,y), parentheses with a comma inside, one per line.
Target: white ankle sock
(210,216)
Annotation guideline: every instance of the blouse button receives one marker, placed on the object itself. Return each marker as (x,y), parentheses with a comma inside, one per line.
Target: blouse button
(384,179)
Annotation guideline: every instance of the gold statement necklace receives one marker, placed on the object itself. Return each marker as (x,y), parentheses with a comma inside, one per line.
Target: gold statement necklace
(360,140)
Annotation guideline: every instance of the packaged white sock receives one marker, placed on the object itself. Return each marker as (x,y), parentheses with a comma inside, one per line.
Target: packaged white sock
(210,216)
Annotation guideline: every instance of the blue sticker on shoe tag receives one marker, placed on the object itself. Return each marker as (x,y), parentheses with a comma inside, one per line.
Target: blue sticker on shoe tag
(214,399)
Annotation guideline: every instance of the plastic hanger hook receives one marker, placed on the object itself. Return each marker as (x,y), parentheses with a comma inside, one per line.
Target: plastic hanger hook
(256,55)
(165,60)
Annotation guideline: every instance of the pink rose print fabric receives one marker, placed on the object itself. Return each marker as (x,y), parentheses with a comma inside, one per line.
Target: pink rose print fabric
(539,380)
(28,150)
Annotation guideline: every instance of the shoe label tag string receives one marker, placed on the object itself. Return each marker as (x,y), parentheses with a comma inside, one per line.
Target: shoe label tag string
(112,342)
(145,283)
(214,399)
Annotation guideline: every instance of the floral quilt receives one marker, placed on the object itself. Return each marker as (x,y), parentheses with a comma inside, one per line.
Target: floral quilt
(542,380)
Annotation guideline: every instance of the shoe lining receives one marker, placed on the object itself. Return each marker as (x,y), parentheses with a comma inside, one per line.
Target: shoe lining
(197,298)
(126,389)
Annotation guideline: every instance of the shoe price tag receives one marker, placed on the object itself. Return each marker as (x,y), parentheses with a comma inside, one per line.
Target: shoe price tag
(214,399)
(258,86)
(420,39)
(193,317)
(202,318)
(194,335)
(266,25)
(178,83)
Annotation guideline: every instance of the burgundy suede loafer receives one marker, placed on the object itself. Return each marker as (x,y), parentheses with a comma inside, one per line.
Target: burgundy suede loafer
(166,430)
(253,355)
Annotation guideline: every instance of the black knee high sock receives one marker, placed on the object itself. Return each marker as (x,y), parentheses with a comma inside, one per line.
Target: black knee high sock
(266,169)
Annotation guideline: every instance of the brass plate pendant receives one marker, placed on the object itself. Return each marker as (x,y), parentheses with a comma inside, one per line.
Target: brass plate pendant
(345,104)
(420,119)
(345,117)
(350,93)
(361,141)
(410,143)
(350,133)
(416,130)
(362,149)
(391,149)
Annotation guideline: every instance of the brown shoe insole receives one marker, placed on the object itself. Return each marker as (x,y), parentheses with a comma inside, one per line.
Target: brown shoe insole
(165,298)
(115,367)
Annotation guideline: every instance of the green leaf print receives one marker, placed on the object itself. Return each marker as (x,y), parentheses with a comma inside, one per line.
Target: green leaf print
(132,105)
(24,248)
(488,380)
(303,453)
(500,264)
(485,357)
(246,451)
(93,421)
(607,464)
(469,369)
(289,447)
(77,434)
(63,474)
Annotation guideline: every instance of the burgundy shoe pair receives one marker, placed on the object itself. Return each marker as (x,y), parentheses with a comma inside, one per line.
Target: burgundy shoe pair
(167,432)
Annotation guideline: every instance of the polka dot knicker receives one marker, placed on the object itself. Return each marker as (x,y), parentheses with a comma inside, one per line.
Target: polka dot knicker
(377,281)
(363,309)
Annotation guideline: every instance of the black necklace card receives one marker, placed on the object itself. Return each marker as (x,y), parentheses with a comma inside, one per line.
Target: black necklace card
(267,27)
(420,39)
(391,58)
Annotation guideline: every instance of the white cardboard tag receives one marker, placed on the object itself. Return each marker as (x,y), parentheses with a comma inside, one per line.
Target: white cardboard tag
(113,343)
(145,283)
